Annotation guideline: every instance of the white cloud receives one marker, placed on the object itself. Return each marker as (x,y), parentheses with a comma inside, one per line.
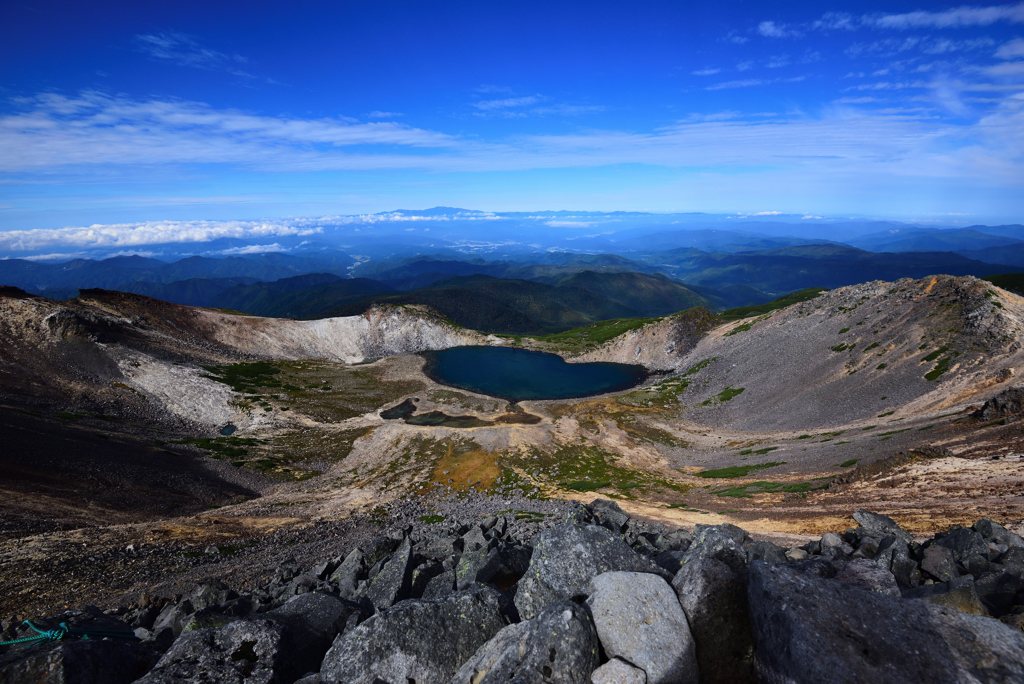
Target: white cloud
(745,83)
(184,50)
(705,72)
(1015,48)
(128,235)
(507,102)
(744,66)
(735,38)
(569,224)
(1005,69)
(953,18)
(253,249)
(382,115)
(94,128)
(777,61)
(833,21)
(770,29)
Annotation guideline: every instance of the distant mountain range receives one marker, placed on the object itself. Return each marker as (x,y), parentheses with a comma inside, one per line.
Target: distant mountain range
(654,271)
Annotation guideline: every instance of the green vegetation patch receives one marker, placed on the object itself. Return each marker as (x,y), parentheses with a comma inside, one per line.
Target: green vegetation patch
(747,491)
(940,368)
(662,394)
(593,334)
(724,396)
(245,377)
(847,464)
(844,330)
(780,303)
(738,471)
(431,519)
(935,354)
(699,366)
(1012,282)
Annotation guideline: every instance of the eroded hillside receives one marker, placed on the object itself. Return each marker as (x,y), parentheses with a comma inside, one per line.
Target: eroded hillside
(783,422)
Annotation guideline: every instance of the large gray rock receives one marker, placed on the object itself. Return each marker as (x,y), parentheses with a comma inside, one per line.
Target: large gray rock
(878,526)
(939,563)
(565,559)
(714,599)
(995,533)
(72,661)
(864,574)
(416,640)
(497,563)
(559,645)
(347,575)
(618,671)
(609,515)
(639,619)
(958,594)
(721,542)
(394,581)
(249,651)
(963,542)
(894,556)
(809,629)
(314,621)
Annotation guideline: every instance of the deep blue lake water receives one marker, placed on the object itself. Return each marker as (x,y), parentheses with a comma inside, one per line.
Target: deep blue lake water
(519,374)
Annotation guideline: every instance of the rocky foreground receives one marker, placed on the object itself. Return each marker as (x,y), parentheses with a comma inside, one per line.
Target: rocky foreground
(598,598)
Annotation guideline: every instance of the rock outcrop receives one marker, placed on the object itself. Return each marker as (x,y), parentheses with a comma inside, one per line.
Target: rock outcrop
(584,601)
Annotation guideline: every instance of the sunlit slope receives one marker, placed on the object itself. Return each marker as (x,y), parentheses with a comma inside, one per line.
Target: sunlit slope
(857,352)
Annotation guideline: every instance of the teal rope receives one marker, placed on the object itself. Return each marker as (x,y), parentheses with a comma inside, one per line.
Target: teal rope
(65,631)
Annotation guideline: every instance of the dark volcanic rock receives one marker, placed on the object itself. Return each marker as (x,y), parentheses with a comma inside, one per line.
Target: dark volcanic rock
(1007,403)
(394,581)
(995,533)
(721,542)
(809,629)
(963,542)
(72,661)
(958,594)
(249,651)
(416,640)
(879,526)
(565,559)
(894,555)
(714,598)
(314,620)
(864,574)
(938,562)
(559,645)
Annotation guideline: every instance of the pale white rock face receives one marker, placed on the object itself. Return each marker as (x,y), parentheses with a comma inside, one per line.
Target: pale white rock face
(182,390)
(638,618)
(617,671)
(349,339)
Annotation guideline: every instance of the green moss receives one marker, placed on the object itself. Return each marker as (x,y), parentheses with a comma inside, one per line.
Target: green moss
(881,366)
(780,303)
(887,413)
(844,330)
(847,464)
(585,485)
(940,368)
(431,519)
(724,396)
(737,471)
(935,354)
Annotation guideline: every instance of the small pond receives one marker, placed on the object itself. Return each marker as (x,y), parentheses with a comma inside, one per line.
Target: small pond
(519,374)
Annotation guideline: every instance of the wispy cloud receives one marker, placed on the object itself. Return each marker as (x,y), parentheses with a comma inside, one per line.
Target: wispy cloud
(952,18)
(253,249)
(705,72)
(743,83)
(1011,50)
(184,50)
(383,115)
(835,21)
(506,103)
(771,29)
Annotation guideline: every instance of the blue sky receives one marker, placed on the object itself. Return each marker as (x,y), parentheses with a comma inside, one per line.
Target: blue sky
(141,112)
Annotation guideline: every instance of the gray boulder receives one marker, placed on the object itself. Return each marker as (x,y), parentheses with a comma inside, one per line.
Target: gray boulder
(879,526)
(500,564)
(416,640)
(958,594)
(394,581)
(714,599)
(618,671)
(249,651)
(894,556)
(809,629)
(766,551)
(71,661)
(867,575)
(565,559)
(347,575)
(559,645)
(995,533)
(639,619)
(721,542)
(314,620)
(998,590)
(938,562)
(609,515)
(963,542)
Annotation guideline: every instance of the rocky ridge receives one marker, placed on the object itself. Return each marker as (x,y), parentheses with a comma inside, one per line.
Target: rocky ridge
(598,597)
